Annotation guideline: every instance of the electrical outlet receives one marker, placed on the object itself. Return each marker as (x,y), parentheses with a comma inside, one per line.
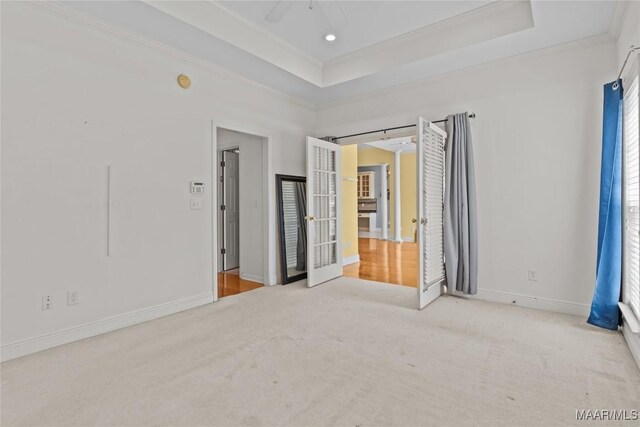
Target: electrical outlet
(532,275)
(47,302)
(196,204)
(73,298)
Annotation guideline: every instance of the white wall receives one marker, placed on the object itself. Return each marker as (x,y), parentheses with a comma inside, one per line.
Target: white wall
(76,98)
(537,150)
(251,200)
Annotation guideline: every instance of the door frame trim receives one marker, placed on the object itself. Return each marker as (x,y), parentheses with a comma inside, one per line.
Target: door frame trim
(268,202)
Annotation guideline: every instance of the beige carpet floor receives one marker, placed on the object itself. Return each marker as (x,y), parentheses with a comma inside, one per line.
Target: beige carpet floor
(348,352)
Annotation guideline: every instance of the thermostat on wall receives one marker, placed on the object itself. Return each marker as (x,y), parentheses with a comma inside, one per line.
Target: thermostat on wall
(197,187)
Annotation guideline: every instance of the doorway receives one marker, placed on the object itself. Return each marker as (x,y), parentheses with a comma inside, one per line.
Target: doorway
(239,212)
(326,170)
(380,210)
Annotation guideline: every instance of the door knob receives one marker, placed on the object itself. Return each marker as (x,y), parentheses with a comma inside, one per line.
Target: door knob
(423,221)
(310,218)
(413,220)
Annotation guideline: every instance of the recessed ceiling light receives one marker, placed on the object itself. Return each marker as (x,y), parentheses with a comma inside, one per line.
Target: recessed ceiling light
(330,37)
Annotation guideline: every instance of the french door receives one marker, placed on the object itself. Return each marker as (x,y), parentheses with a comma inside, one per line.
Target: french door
(430,159)
(324,211)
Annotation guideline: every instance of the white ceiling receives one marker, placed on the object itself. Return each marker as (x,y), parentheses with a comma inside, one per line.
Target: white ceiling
(404,144)
(367,22)
(383,44)
(473,26)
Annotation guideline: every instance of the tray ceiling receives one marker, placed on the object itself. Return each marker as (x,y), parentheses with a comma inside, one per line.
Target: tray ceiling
(379,44)
(361,24)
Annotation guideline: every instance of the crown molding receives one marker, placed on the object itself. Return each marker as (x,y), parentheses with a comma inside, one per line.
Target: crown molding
(89,22)
(617,20)
(216,20)
(586,42)
(264,32)
(475,26)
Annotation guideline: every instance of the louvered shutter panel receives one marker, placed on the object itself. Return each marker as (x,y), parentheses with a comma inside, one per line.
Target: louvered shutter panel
(432,209)
(631,135)
(290,212)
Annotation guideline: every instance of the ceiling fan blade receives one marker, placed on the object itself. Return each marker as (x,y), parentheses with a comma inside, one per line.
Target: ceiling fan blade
(279,10)
(334,13)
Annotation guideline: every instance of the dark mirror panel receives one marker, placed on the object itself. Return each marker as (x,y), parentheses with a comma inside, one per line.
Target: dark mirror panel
(292,207)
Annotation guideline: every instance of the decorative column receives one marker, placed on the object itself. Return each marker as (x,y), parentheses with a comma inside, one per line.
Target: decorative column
(385,206)
(397,232)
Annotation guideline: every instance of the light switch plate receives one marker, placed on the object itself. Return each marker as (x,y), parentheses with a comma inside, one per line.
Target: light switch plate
(196,204)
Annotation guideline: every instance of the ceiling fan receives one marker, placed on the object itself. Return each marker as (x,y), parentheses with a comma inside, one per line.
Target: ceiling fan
(331,10)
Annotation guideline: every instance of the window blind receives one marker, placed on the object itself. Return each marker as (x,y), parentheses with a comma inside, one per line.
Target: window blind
(631,135)
(289,208)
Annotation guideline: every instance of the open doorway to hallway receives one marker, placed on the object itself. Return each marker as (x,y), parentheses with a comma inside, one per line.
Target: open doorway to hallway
(240,195)
(380,210)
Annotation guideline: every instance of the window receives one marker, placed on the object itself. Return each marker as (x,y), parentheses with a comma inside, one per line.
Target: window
(631,219)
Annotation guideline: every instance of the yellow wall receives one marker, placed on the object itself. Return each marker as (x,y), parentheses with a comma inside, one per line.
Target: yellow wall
(349,157)
(376,156)
(408,195)
(408,192)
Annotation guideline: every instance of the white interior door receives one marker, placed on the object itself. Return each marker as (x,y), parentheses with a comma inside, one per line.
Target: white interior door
(430,158)
(324,211)
(231,210)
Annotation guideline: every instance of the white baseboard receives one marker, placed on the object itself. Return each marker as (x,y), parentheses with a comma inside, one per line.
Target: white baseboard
(351,259)
(378,235)
(65,336)
(251,278)
(374,233)
(633,341)
(546,304)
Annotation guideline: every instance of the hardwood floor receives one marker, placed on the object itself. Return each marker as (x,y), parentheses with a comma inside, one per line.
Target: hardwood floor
(380,261)
(230,283)
(385,261)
